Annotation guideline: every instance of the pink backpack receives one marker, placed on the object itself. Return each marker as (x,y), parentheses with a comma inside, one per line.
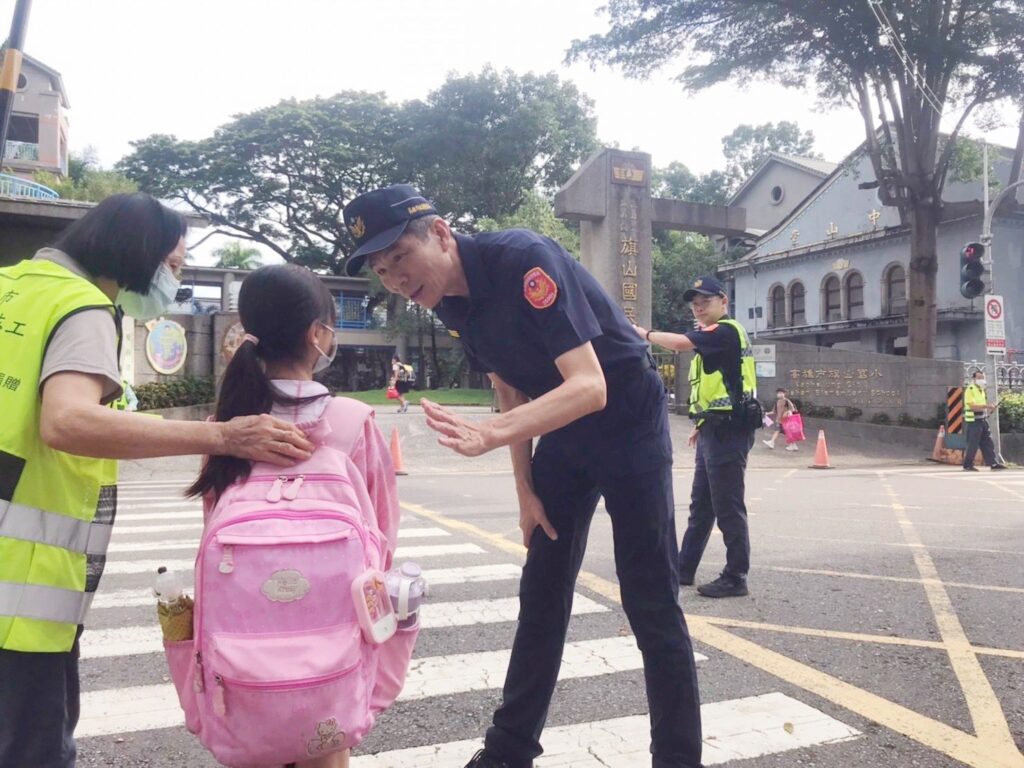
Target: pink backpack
(278,670)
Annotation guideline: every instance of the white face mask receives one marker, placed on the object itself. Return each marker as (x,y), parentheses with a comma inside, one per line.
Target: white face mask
(324,361)
(980,382)
(162,290)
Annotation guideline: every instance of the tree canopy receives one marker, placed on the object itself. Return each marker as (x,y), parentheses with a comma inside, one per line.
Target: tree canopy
(280,176)
(905,64)
(237,255)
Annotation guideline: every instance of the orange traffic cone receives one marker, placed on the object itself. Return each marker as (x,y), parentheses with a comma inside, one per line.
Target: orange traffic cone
(821,453)
(396,453)
(938,450)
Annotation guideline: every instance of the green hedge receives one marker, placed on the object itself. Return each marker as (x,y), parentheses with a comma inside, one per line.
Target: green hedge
(1011,413)
(175,393)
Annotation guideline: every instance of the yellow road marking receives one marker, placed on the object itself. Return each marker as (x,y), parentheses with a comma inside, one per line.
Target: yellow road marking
(986,713)
(898,579)
(931,733)
(859,637)
(900,544)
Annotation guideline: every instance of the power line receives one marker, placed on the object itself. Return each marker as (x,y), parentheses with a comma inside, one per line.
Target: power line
(909,65)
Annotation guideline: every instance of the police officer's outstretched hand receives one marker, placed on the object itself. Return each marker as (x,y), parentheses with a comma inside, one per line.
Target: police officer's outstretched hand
(532,514)
(464,437)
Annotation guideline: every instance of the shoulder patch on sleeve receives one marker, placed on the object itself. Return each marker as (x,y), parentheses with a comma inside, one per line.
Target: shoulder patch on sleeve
(454,334)
(539,289)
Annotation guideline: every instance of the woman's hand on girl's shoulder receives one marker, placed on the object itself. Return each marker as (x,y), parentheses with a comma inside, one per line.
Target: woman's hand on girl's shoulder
(264,438)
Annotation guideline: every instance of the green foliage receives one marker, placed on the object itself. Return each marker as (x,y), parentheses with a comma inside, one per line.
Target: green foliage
(748,146)
(853,413)
(678,258)
(906,420)
(235,255)
(481,143)
(745,149)
(281,175)
(880,418)
(175,393)
(1011,413)
(86,181)
(538,214)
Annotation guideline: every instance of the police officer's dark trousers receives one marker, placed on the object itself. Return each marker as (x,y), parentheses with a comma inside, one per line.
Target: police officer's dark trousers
(718,488)
(979,436)
(570,474)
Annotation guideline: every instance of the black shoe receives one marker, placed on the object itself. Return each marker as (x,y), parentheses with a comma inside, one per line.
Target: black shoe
(686,579)
(482,759)
(724,586)
(999,466)
(970,469)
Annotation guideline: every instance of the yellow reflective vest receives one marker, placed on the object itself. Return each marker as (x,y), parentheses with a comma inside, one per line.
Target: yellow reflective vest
(973,395)
(56,509)
(708,393)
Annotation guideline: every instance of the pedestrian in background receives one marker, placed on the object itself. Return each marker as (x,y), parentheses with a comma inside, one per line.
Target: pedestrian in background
(782,410)
(400,381)
(567,368)
(725,413)
(60,332)
(976,412)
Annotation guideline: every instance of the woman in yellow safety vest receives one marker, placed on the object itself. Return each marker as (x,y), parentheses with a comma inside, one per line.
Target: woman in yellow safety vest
(60,335)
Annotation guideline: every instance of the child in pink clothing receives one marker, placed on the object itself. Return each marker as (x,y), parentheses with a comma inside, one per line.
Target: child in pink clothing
(289,315)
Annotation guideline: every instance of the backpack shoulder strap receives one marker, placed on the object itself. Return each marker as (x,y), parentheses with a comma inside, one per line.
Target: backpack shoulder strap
(346,418)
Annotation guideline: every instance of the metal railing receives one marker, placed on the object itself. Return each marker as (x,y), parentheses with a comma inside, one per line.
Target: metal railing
(1009,376)
(22,150)
(13,186)
(353,314)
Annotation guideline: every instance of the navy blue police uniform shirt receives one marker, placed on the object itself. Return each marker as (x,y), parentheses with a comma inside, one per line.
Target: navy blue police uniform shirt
(529,303)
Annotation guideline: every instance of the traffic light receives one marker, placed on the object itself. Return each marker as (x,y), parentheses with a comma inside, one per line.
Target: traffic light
(971,270)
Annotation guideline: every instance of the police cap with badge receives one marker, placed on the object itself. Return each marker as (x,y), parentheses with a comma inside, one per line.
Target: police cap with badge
(377,219)
(706,286)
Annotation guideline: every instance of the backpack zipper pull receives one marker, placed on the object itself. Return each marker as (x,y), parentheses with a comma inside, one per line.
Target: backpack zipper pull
(227,559)
(218,697)
(291,492)
(197,679)
(274,494)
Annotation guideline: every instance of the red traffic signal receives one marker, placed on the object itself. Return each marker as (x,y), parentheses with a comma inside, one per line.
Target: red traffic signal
(971,270)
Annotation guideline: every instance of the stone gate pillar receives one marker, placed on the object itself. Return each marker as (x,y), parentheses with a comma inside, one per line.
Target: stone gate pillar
(610,195)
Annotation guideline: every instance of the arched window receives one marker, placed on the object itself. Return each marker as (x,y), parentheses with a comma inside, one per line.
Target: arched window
(796,303)
(831,300)
(777,307)
(854,296)
(896,290)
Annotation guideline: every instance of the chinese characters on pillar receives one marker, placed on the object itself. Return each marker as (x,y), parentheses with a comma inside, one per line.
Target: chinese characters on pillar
(629,252)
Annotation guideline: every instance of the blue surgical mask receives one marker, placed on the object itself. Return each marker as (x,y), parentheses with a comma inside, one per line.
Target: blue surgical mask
(162,290)
(324,361)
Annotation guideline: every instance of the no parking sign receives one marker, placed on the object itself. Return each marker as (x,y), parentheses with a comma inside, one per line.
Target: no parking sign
(995,325)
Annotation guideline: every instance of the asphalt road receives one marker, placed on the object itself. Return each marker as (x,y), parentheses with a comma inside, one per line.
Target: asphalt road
(885,624)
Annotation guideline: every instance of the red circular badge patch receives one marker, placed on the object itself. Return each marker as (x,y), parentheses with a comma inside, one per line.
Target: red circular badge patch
(539,289)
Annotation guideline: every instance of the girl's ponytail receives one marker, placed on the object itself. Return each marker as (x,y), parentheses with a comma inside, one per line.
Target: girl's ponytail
(245,390)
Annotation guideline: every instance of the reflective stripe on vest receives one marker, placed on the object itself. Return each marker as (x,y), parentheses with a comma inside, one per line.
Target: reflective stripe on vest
(18,521)
(42,603)
(57,509)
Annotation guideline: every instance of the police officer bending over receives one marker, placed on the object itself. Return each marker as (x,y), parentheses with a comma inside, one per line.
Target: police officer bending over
(725,412)
(567,368)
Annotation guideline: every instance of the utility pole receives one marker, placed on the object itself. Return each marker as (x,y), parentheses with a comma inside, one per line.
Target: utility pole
(12,69)
(986,240)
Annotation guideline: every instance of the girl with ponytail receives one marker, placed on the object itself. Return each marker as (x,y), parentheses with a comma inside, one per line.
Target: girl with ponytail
(288,316)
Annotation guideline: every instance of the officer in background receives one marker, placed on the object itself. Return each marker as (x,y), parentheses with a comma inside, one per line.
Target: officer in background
(976,411)
(567,368)
(60,318)
(725,412)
